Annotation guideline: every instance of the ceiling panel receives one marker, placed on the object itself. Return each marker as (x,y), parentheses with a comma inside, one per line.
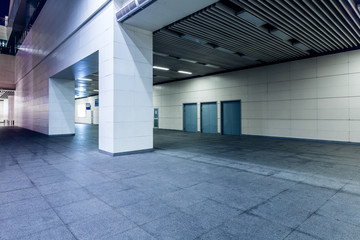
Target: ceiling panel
(237,34)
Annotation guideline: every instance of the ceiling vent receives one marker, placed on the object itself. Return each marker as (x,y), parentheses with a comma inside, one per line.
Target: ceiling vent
(131,8)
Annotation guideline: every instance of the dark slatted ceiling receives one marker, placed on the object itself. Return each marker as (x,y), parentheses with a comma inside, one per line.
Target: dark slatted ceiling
(236,34)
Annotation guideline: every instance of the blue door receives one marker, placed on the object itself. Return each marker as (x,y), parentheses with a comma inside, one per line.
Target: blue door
(231,118)
(208,118)
(190,117)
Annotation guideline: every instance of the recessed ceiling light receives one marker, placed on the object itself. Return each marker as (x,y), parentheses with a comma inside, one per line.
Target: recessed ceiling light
(251,18)
(224,50)
(301,46)
(185,72)
(280,34)
(161,68)
(85,79)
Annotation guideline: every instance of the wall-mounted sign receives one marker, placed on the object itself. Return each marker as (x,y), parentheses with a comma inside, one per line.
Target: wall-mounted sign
(88,106)
(96,102)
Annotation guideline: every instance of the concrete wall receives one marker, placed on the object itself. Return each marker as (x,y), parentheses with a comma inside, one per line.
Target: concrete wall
(7,71)
(87,119)
(317,98)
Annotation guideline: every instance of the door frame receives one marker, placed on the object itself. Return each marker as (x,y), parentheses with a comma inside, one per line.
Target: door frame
(222,115)
(183,111)
(201,120)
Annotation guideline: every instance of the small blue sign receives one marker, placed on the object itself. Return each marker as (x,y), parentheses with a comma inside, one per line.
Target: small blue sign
(96,102)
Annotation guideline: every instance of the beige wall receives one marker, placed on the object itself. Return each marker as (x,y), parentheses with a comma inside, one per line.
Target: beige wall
(316,98)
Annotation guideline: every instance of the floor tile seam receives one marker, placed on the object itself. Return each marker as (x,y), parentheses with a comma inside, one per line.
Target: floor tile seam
(178,211)
(34,233)
(316,210)
(53,209)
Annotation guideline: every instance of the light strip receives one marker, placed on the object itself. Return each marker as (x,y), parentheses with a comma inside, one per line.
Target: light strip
(185,72)
(96,90)
(85,79)
(251,18)
(161,68)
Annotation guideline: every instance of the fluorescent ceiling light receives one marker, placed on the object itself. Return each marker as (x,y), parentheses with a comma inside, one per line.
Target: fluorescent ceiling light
(80,89)
(225,50)
(212,66)
(161,54)
(251,18)
(187,60)
(161,68)
(85,79)
(96,90)
(185,72)
(193,39)
(280,34)
(301,46)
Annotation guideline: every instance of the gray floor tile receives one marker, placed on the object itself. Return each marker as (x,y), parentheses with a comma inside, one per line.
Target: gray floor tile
(252,227)
(23,207)
(58,233)
(25,225)
(146,211)
(79,211)
(182,198)
(217,234)
(124,198)
(133,234)
(17,195)
(343,207)
(175,226)
(328,228)
(58,187)
(101,226)
(211,214)
(300,236)
(67,197)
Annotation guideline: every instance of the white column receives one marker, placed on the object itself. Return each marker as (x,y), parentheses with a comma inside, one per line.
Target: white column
(125,92)
(11,109)
(61,106)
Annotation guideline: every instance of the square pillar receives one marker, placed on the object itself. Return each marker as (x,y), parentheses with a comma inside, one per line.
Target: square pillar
(125,92)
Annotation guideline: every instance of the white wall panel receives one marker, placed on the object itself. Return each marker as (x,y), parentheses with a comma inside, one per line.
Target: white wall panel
(317,98)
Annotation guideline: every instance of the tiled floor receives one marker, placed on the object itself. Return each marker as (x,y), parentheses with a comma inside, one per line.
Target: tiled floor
(192,186)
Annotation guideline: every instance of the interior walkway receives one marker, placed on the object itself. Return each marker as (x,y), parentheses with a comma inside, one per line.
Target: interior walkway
(192,186)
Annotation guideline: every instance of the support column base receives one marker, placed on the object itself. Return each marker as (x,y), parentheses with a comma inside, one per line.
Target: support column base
(126,153)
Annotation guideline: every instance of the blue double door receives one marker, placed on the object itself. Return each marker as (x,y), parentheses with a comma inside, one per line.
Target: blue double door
(231,118)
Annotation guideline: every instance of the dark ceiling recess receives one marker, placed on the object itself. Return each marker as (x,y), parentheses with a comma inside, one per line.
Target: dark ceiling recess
(238,34)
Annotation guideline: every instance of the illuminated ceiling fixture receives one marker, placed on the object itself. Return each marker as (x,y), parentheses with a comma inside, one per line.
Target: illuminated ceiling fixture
(251,18)
(212,66)
(185,72)
(80,89)
(249,58)
(85,79)
(224,50)
(301,46)
(280,34)
(193,39)
(161,68)
(96,90)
